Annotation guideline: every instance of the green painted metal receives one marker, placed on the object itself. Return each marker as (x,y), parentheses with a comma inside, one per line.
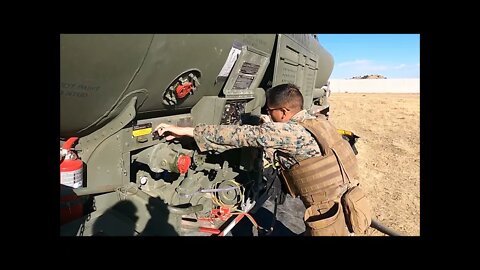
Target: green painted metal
(112,84)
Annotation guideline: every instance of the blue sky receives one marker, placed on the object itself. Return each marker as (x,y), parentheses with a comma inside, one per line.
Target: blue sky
(394,56)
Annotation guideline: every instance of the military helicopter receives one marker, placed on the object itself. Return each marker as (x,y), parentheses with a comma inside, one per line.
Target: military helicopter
(118,177)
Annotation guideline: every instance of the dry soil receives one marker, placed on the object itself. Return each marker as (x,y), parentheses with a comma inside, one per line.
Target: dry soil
(389,153)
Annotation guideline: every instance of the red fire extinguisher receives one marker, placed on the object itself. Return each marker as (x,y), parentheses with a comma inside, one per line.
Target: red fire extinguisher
(71,175)
(71,168)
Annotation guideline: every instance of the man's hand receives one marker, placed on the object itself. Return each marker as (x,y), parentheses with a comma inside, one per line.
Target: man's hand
(173,131)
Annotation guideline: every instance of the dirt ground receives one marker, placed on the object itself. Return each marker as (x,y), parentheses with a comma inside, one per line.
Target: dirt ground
(388,153)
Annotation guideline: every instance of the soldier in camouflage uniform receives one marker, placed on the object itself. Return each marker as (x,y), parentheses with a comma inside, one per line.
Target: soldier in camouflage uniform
(285,134)
(282,133)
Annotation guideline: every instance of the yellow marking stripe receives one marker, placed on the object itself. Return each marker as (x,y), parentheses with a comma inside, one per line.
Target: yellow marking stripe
(141,132)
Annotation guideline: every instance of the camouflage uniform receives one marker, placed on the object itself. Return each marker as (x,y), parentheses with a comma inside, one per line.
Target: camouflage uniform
(289,137)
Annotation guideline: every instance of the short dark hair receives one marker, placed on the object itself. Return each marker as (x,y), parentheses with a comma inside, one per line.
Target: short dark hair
(287,94)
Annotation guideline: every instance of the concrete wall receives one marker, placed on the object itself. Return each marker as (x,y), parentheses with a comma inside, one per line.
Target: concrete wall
(375,86)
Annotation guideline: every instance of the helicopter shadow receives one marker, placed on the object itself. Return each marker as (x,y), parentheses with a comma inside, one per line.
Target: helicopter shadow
(158,224)
(121,220)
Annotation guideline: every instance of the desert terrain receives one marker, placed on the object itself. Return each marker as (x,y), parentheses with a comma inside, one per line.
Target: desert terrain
(388,153)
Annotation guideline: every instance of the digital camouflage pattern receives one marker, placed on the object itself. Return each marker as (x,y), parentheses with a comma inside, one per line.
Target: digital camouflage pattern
(289,137)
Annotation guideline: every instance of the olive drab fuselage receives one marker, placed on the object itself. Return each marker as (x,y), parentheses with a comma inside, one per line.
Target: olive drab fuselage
(116,88)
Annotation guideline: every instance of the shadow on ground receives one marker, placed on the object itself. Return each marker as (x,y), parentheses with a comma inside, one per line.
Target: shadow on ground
(288,221)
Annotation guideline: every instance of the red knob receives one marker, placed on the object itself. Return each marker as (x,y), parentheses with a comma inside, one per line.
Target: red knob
(183,163)
(183,89)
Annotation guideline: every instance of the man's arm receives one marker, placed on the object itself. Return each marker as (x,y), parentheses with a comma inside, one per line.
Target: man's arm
(288,137)
(223,137)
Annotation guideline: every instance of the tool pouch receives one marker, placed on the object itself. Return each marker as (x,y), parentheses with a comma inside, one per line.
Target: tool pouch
(331,223)
(357,210)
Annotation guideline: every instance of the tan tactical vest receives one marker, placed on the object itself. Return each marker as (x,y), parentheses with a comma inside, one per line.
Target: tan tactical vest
(323,179)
